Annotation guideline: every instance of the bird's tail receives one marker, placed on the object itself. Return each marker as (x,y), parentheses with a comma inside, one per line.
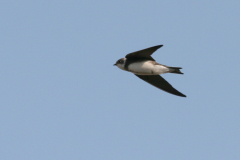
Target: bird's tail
(175,70)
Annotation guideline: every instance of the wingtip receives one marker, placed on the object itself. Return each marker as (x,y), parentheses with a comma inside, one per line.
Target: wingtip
(157,46)
(160,45)
(182,95)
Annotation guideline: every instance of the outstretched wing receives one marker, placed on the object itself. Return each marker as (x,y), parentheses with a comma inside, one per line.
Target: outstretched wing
(143,54)
(161,83)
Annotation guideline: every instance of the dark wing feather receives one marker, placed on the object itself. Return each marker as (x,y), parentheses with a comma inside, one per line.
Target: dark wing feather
(143,54)
(161,83)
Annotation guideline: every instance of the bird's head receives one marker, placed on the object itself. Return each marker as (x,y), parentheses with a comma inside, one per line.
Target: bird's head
(121,63)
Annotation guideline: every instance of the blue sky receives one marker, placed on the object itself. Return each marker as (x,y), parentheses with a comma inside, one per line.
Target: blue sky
(62,98)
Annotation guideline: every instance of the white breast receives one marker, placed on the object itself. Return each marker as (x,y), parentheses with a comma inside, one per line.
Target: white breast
(147,68)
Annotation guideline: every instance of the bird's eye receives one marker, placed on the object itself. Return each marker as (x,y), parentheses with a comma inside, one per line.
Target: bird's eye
(120,61)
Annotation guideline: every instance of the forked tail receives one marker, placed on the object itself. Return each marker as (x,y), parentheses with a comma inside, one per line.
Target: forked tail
(175,70)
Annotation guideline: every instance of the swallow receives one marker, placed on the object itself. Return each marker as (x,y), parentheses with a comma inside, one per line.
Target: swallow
(146,68)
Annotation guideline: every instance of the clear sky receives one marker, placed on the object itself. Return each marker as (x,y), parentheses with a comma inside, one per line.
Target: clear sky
(62,98)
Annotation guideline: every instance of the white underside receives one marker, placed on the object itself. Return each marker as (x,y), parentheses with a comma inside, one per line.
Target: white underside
(147,68)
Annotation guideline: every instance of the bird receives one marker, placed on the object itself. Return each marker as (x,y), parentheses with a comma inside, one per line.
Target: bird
(146,68)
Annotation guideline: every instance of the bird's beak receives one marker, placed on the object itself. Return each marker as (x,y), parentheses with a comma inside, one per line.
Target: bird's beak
(115,64)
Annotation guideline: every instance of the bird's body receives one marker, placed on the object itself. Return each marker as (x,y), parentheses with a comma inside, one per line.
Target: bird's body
(145,67)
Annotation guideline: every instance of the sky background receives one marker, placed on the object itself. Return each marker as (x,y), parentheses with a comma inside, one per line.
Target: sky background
(62,98)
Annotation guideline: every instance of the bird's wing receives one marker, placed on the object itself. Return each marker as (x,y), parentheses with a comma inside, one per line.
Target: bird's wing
(161,83)
(143,54)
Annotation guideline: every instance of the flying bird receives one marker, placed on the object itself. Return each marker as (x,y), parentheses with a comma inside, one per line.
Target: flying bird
(146,68)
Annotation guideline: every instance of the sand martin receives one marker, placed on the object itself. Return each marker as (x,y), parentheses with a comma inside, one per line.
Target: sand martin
(146,68)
